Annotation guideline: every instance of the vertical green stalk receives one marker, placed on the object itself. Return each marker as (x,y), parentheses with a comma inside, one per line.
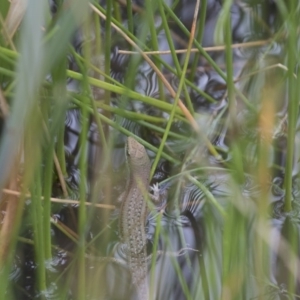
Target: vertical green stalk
(229,62)
(58,110)
(98,51)
(200,31)
(117,13)
(134,61)
(97,28)
(293,109)
(290,232)
(82,199)
(60,150)
(293,102)
(37,217)
(150,8)
(235,272)
(47,195)
(83,170)
(129,16)
(154,256)
(107,49)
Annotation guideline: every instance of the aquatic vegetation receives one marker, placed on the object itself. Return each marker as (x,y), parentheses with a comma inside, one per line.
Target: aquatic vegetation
(209,88)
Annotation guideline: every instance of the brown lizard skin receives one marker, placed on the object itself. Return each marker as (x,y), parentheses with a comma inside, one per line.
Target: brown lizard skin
(133,214)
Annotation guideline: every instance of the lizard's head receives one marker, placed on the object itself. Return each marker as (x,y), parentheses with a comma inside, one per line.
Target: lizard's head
(136,153)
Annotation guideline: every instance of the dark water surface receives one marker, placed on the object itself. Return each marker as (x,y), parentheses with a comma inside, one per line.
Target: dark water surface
(191,219)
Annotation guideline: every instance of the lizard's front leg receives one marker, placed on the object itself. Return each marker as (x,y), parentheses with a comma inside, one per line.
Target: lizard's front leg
(155,197)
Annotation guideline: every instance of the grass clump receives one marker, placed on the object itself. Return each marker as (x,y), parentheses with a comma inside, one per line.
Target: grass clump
(213,97)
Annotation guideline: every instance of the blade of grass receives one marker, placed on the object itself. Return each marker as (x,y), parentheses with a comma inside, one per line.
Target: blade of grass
(293,103)
(200,32)
(151,8)
(38,228)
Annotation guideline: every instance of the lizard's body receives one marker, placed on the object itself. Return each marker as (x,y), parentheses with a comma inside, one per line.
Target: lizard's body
(133,214)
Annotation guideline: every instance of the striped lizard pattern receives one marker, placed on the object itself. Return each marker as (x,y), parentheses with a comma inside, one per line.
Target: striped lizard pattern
(133,214)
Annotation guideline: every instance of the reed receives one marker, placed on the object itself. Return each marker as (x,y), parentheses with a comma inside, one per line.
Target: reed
(233,147)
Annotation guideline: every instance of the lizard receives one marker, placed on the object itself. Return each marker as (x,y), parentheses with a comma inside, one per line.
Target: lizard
(133,214)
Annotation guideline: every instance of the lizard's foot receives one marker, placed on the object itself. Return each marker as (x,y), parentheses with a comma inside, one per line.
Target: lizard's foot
(158,197)
(155,197)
